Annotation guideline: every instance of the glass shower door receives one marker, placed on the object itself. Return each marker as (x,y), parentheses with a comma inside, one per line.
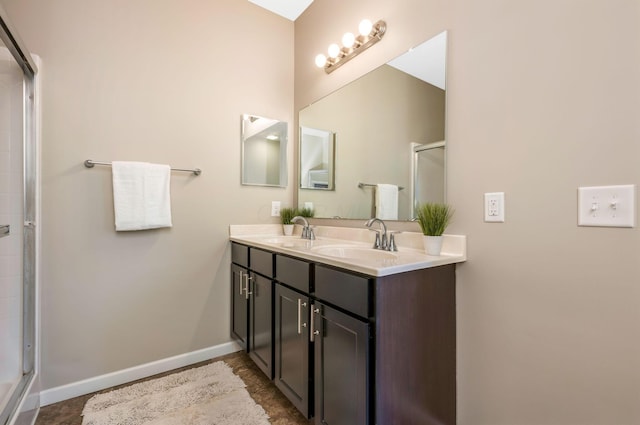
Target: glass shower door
(11,216)
(17,223)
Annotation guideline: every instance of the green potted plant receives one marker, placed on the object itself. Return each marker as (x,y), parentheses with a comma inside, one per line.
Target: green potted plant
(433,218)
(286,214)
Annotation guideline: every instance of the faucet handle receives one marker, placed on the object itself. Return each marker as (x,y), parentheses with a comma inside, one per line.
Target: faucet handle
(310,234)
(392,240)
(377,244)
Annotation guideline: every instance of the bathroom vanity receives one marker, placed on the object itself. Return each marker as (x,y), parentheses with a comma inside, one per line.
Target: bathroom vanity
(351,335)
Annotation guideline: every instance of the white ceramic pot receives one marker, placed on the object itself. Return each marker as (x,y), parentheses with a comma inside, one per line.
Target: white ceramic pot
(432,244)
(288,229)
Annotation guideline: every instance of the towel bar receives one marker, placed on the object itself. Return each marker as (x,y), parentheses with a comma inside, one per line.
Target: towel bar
(361,185)
(89,163)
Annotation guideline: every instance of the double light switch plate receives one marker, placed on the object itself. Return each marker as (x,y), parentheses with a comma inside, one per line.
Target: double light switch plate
(607,206)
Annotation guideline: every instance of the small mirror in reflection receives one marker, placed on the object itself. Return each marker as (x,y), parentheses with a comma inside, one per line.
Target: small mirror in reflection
(264,151)
(317,159)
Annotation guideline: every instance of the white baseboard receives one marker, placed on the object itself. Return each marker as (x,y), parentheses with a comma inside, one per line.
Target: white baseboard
(86,386)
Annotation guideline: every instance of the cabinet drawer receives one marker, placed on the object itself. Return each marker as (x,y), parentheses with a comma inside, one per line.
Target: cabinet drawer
(240,254)
(261,262)
(345,290)
(292,272)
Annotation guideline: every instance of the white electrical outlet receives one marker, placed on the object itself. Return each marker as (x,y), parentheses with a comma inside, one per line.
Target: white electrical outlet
(275,208)
(494,207)
(607,206)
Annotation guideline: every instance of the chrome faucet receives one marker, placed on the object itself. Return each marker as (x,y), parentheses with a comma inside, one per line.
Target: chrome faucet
(307,231)
(381,235)
(385,240)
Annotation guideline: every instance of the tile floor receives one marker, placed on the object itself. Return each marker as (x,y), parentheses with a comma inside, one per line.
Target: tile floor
(263,391)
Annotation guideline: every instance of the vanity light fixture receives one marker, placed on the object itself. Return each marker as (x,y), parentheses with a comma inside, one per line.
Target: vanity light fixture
(352,46)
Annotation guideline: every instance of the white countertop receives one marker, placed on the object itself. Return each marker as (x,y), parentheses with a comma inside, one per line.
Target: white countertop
(354,243)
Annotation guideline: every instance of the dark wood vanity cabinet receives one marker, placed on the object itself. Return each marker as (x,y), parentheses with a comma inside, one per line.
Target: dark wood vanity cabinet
(252,304)
(292,349)
(261,323)
(415,349)
(239,306)
(343,346)
(341,367)
(292,346)
(353,349)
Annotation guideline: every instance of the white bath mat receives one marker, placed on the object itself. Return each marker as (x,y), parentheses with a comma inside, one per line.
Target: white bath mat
(208,395)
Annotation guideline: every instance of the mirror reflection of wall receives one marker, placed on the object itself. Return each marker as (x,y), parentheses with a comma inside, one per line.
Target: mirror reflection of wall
(264,149)
(316,158)
(377,118)
(428,173)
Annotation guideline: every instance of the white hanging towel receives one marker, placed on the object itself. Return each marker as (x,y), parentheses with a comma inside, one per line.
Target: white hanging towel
(387,201)
(141,195)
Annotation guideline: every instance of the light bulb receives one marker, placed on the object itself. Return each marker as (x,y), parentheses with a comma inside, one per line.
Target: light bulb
(348,40)
(365,27)
(321,60)
(334,50)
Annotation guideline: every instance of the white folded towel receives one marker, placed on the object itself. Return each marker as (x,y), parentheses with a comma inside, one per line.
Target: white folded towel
(387,201)
(141,195)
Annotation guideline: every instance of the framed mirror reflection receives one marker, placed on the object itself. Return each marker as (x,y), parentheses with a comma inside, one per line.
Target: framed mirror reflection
(377,120)
(317,159)
(264,151)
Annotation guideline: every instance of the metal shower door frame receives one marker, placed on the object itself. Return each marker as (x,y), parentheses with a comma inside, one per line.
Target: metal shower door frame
(22,56)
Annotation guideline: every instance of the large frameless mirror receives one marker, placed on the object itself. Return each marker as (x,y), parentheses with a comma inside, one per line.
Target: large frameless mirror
(264,151)
(376,121)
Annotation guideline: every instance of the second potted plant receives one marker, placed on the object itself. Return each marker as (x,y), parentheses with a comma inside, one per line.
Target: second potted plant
(286,214)
(433,218)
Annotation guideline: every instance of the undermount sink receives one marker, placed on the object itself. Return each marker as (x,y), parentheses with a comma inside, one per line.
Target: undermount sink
(356,253)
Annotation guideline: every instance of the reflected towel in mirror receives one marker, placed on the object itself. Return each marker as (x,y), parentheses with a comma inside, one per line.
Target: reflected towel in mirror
(387,201)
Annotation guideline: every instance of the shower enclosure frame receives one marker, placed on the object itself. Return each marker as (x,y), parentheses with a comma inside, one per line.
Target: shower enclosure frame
(30,156)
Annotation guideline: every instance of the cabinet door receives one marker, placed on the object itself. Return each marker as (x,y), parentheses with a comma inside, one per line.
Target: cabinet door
(292,346)
(341,375)
(261,323)
(239,306)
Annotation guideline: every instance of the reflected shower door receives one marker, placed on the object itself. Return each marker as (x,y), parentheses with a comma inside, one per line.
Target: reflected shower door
(428,173)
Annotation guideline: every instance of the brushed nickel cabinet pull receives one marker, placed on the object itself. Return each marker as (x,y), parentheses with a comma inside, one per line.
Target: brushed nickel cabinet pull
(247,278)
(314,332)
(300,324)
(299,316)
(4,230)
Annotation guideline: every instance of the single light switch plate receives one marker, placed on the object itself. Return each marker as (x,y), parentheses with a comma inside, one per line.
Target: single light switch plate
(275,208)
(494,207)
(607,206)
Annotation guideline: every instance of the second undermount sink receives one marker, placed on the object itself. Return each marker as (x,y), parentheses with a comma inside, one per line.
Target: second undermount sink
(288,241)
(357,253)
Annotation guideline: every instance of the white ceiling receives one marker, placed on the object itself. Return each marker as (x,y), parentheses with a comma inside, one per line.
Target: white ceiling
(290,9)
(426,61)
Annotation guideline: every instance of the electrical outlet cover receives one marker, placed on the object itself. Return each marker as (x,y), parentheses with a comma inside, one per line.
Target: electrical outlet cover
(275,208)
(494,207)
